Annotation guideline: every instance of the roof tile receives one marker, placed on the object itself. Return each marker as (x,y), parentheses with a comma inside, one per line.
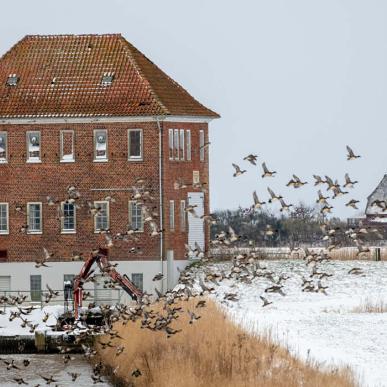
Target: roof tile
(77,63)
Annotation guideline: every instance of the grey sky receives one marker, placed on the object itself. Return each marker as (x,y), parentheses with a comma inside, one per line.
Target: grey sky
(294,81)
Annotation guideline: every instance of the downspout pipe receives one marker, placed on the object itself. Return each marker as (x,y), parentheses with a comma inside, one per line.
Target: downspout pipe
(161,215)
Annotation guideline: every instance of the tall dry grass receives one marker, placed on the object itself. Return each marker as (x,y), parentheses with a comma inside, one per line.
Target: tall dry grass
(213,352)
(369,306)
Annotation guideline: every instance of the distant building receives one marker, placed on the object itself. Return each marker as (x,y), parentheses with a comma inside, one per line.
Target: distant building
(91,111)
(376,210)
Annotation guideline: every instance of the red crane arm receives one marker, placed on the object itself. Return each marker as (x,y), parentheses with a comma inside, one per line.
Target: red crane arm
(106,267)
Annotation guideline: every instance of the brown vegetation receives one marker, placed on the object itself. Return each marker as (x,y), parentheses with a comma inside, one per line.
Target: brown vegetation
(212,351)
(369,306)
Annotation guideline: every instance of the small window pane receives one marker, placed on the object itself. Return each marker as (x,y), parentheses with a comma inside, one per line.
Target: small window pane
(202,149)
(188,134)
(3,218)
(100,143)
(182,144)
(33,146)
(102,217)
(170,133)
(135,144)
(183,215)
(34,217)
(67,145)
(36,287)
(3,147)
(136,216)
(68,216)
(176,144)
(172,214)
(138,280)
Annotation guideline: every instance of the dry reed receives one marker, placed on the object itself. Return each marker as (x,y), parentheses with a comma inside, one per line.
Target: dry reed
(214,352)
(369,306)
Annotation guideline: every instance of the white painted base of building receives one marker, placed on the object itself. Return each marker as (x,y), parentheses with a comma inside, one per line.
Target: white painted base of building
(20,274)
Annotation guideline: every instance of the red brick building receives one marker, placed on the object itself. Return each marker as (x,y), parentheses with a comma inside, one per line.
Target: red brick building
(92,112)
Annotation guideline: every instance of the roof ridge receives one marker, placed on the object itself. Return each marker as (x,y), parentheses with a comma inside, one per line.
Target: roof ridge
(48,36)
(129,47)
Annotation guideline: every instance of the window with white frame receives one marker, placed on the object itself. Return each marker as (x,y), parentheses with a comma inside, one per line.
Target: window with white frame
(201,146)
(182,144)
(183,215)
(136,218)
(138,280)
(135,144)
(171,214)
(4,218)
(68,217)
(67,153)
(176,143)
(3,147)
(195,177)
(170,142)
(34,217)
(36,287)
(188,141)
(101,219)
(100,145)
(33,147)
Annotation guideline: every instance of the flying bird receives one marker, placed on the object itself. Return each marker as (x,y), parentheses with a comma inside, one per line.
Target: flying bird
(238,171)
(251,158)
(351,155)
(266,172)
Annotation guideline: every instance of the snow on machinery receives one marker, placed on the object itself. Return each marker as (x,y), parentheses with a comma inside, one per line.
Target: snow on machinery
(100,258)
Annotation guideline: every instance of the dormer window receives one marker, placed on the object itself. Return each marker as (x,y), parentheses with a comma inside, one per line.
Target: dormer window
(107,79)
(12,80)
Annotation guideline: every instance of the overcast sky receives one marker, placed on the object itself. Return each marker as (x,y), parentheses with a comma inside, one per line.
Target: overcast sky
(294,80)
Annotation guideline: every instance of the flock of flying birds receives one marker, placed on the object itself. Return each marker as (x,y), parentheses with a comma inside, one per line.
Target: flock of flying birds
(194,283)
(295,182)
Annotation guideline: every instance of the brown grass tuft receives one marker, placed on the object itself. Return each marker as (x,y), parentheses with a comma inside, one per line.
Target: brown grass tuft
(369,306)
(211,352)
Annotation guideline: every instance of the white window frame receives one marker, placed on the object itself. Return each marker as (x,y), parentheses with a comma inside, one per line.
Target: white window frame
(171,149)
(68,230)
(62,133)
(142,280)
(195,177)
(182,144)
(5,232)
(29,230)
(99,159)
(188,144)
(5,160)
(172,215)
(135,158)
(34,159)
(183,216)
(176,147)
(98,230)
(201,144)
(133,202)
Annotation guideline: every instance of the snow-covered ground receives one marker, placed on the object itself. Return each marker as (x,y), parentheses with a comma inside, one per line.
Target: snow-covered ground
(11,328)
(323,327)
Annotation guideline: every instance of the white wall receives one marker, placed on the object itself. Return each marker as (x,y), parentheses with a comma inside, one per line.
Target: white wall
(53,276)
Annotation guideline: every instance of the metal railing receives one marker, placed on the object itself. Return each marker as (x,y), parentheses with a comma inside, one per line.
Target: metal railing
(38,298)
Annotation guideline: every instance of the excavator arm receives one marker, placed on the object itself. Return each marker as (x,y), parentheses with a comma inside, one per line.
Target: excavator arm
(101,259)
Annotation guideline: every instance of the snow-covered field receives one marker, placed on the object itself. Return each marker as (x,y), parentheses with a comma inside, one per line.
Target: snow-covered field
(11,328)
(318,326)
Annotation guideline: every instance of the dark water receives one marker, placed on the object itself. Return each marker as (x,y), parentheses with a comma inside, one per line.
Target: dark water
(48,365)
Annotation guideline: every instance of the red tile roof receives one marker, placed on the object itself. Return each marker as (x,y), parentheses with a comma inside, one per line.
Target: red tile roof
(60,76)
